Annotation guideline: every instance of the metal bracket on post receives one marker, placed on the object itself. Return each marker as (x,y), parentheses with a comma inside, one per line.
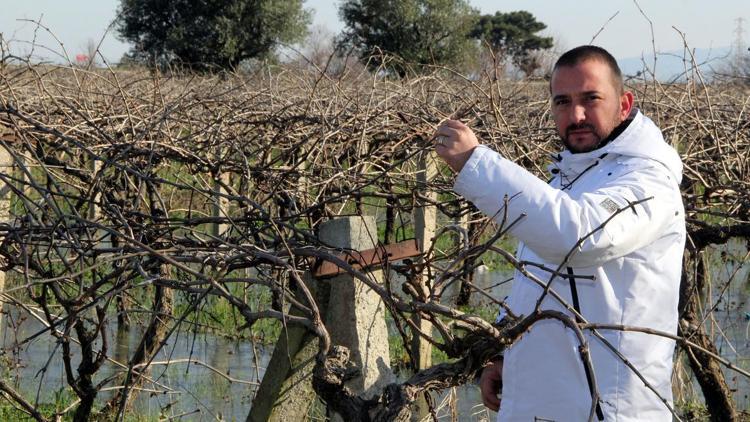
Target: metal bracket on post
(369,258)
(354,316)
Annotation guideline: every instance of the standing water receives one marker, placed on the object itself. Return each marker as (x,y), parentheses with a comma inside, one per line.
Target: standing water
(214,378)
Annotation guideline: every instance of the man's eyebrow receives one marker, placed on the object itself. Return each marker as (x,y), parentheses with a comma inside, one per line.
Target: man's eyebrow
(581,94)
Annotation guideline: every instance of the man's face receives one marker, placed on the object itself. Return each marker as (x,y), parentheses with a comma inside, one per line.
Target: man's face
(586,104)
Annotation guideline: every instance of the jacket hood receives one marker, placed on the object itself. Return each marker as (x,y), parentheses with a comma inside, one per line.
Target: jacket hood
(641,139)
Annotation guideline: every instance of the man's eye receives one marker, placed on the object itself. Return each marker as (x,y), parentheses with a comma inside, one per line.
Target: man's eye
(560,102)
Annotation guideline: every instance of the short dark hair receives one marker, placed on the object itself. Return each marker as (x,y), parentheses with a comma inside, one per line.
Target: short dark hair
(591,52)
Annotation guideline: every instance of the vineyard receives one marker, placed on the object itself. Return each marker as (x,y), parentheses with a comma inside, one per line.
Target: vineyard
(167,203)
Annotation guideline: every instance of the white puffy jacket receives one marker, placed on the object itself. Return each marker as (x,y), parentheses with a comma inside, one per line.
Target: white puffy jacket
(635,260)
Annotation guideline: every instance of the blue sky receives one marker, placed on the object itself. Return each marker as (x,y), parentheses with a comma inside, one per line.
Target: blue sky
(705,24)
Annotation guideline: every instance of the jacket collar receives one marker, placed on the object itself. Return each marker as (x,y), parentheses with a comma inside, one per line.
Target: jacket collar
(640,138)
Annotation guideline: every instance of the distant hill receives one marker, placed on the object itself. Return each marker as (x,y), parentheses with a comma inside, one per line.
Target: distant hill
(671,65)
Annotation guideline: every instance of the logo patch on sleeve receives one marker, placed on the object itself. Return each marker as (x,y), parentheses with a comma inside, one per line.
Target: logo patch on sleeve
(609,205)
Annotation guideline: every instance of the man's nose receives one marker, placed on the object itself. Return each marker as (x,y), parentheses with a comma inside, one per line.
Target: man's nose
(578,113)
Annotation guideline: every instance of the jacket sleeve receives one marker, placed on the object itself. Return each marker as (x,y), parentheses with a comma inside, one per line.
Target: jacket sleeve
(555,222)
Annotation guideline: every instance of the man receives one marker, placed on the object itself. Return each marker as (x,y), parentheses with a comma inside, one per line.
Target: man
(626,271)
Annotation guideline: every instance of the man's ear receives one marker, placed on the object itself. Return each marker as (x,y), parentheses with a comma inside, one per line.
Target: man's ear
(626,104)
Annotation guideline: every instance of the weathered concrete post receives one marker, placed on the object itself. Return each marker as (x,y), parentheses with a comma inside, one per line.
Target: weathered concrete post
(355,317)
(94,212)
(220,205)
(104,239)
(425,222)
(285,392)
(6,167)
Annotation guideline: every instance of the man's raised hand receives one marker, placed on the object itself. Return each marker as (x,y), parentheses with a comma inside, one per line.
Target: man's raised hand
(454,143)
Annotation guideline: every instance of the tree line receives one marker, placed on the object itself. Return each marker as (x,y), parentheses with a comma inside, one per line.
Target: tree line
(210,35)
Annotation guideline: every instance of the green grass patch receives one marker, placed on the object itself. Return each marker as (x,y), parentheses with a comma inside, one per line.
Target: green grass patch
(693,411)
(63,399)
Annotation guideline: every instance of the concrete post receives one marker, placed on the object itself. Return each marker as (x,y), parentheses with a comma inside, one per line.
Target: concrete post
(102,237)
(285,392)
(355,318)
(94,213)
(6,167)
(220,205)
(425,222)
(356,315)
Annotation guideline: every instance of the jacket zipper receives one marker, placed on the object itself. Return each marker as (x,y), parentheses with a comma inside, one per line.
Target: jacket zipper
(577,307)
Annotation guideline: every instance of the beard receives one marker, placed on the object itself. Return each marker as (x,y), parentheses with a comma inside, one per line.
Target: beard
(576,148)
(599,137)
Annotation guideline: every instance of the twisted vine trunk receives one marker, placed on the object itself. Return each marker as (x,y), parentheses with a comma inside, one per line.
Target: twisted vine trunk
(707,370)
(90,363)
(150,344)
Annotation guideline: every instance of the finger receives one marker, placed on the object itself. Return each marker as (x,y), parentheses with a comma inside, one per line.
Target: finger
(438,135)
(454,124)
(490,400)
(446,131)
(489,384)
(444,136)
(440,140)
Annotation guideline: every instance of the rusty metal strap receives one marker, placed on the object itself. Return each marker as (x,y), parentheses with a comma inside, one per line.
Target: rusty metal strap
(369,258)
(7,134)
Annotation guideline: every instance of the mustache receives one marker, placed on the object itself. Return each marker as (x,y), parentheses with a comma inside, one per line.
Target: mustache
(581,126)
